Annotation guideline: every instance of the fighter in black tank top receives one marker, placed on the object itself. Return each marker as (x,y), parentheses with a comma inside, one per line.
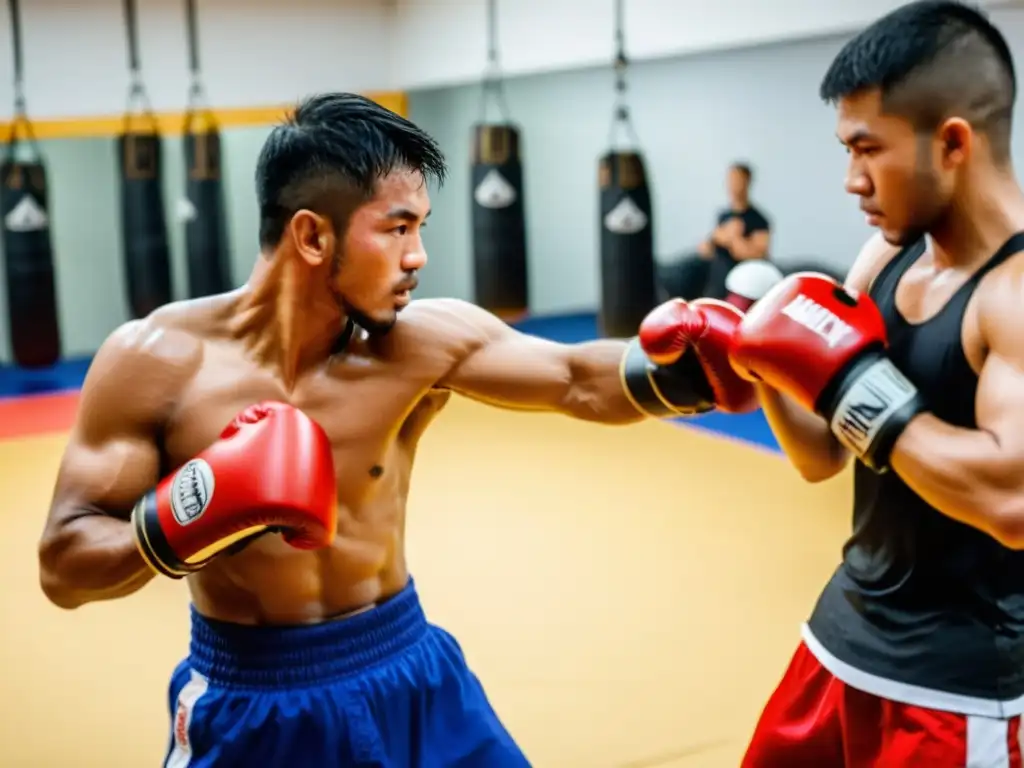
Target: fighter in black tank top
(920,598)
(913,369)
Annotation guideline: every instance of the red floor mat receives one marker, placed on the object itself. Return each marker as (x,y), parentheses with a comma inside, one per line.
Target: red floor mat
(37,414)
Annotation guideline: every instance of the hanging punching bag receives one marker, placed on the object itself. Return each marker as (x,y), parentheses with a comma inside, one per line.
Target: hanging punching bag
(25,223)
(628,285)
(206,242)
(499,222)
(28,258)
(628,276)
(147,257)
(499,216)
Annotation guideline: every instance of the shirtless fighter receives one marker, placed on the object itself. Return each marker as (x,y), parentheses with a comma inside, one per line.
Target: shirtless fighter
(914,653)
(260,444)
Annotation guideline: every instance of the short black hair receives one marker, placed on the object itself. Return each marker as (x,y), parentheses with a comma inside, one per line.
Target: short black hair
(335,142)
(931,60)
(743,168)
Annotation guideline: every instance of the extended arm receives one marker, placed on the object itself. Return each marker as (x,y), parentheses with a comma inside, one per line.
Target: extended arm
(976,476)
(677,365)
(87,551)
(496,364)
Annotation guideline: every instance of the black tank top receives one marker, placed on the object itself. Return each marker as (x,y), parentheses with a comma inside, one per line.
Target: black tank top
(920,598)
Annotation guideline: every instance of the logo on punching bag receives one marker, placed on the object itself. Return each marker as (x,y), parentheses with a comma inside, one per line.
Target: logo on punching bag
(494,191)
(626,218)
(26,216)
(185,211)
(191,491)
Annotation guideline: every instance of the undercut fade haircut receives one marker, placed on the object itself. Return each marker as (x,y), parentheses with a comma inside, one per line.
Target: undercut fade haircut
(933,60)
(336,146)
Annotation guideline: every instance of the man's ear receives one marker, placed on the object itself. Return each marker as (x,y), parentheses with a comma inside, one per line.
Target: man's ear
(313,237)
(956,138)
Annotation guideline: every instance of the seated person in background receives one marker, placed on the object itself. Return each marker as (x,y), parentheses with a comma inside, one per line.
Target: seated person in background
(743,232)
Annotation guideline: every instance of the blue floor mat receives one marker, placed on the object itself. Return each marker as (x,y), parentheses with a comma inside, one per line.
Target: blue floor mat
(66,374)
(751,427)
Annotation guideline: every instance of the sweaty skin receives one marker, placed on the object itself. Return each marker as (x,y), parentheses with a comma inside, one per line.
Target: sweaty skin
(163,388)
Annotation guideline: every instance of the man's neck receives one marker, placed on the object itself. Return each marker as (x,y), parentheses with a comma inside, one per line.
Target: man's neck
(287,317)
(740,204)
(989,211)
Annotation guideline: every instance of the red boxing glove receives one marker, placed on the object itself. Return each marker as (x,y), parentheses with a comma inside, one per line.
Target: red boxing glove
(679,364)
(271,469)
(823,346)
(688,344)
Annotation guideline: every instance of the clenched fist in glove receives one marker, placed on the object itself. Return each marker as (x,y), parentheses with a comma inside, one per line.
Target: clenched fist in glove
(271,470)
(813,340)
(679,362)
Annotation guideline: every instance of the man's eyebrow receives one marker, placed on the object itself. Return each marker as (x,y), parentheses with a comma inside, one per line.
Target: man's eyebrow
(406,215)
(858,136)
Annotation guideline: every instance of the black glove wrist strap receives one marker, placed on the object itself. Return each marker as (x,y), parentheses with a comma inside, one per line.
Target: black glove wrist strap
(661,392)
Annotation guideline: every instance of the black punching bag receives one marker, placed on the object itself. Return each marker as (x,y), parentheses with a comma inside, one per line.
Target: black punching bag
(206,242)
(28,257)
(147,258)
(499,222)
(628,287)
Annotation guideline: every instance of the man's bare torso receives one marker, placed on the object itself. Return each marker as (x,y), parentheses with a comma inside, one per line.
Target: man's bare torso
(374,401)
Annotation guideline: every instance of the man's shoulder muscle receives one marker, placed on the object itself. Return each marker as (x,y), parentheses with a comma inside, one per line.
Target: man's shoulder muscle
(875,254)
(156,340)
(139,370)
(446,331)
(450,322)
(1001,307)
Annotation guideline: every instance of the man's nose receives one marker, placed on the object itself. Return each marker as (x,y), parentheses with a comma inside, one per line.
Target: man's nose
(415,259)
(857,183)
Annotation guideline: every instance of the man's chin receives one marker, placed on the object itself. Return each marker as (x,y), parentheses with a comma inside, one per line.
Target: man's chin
(900,238)
(891,237)
(375,326)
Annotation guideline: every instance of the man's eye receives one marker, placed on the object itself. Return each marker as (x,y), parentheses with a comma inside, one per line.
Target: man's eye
(865,151)
(402,229)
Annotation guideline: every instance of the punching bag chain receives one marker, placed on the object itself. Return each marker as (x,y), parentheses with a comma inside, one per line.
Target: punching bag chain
(131,25)
(20,118)
(195,93)
(493,84)
(136,90)
(19,85)
(620,116)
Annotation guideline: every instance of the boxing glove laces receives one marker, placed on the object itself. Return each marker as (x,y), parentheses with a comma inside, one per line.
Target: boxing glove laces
(825,347)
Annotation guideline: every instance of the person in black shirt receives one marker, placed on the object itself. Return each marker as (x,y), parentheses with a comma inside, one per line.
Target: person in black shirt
(742,232)
(914,652)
